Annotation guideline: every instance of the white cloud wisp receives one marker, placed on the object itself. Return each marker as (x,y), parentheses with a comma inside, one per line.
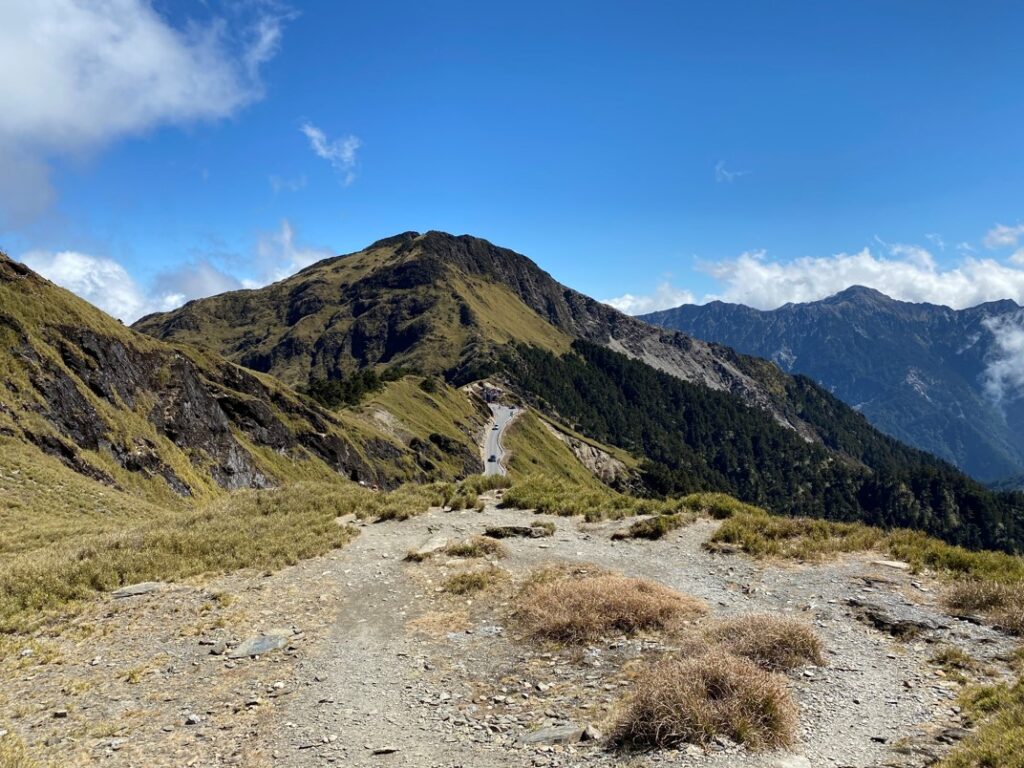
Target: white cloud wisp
(340,153)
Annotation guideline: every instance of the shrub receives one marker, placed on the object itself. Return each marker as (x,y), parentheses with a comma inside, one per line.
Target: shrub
(693,700)
(774,643)
(581,606)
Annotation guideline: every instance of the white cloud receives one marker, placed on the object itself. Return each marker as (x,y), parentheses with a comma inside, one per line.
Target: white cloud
(1002,236)
(1004,375)
(340,153)
(278,255)
(665,296)
(1017,257)
(100,281)
(905,272)
(79,75)
(724,175)
(107,284)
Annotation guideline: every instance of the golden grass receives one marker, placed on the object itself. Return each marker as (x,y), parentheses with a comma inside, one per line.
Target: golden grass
(248,529)
(1003,604)
(694,699)
(14,755)
(999,740)
(774,643)
(584,605)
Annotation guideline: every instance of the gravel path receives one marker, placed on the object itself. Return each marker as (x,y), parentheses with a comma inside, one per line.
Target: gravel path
(377,691)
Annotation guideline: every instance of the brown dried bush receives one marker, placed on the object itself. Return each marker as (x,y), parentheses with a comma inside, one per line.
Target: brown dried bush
(775,643)
(693,700)
(584,605)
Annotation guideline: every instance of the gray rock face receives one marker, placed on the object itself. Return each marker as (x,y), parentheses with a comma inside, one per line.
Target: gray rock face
(901,620)
(517,531)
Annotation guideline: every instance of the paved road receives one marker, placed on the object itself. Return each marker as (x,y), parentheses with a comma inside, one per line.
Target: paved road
(503,416)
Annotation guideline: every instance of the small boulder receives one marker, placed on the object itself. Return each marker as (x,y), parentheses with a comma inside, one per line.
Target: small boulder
(271,640)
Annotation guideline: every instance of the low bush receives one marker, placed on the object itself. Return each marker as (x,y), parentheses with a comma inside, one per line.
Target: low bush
(774,643)
(478,546)
(652,527)
(579,606)
(694,699)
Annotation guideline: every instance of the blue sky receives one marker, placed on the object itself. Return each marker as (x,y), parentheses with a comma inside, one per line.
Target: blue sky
(652,154)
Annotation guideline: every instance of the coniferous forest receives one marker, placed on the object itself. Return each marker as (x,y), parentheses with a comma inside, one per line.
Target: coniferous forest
(695,438)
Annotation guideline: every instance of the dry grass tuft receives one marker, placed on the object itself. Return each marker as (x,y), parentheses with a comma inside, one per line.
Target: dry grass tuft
(774,643)
(472,581)
(438,624)
(693,700)
(653,527)
(1002,603)
(581,606)
(478,546)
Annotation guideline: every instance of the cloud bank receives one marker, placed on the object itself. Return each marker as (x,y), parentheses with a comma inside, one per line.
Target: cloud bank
(83,74)
(665,296)
(1004,375)
(107,284)
(904,272)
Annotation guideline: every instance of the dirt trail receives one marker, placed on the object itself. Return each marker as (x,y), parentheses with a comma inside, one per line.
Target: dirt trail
(467,698)
(382,668)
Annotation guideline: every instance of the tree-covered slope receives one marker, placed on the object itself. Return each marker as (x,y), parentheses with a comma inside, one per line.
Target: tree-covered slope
(919,372)
(697,439)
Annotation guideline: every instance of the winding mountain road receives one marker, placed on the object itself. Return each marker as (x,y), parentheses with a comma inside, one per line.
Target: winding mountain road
(503,416)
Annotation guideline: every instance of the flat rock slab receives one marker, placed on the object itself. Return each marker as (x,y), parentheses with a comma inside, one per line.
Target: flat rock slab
(902,621)
(272,640)
(517,531)
(559,734)
(144,588)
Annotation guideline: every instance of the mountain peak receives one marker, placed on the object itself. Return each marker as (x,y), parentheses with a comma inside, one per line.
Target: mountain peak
(857,293)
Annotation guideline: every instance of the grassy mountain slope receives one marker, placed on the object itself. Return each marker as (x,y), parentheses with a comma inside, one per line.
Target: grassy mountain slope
(163,422)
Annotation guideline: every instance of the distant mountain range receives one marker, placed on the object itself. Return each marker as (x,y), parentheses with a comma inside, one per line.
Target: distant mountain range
(926,374)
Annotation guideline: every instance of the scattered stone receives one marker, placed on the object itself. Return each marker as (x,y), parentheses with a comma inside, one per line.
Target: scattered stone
(388,749)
